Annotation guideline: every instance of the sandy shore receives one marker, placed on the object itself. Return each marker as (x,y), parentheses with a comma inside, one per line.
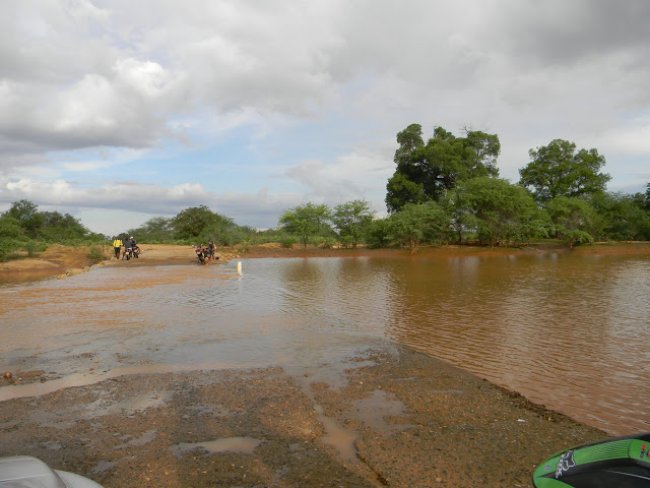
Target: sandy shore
(400,419)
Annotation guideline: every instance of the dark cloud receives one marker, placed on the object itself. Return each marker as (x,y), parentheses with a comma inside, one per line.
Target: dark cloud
(566,32)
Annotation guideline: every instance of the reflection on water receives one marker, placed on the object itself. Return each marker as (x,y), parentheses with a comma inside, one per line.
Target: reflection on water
(568,331)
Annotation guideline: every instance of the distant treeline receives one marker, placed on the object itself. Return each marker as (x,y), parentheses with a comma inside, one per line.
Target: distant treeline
(446,190)
(26,230)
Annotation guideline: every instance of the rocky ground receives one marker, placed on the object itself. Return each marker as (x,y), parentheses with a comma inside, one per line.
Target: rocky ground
(402,419)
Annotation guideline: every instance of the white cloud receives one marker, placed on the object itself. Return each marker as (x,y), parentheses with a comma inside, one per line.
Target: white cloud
(81,76)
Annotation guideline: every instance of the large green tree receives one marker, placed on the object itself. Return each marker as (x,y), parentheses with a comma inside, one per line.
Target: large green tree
(574,219)
(557,169)
(428,171)
(415,224)
(192,222)
(497,211)
(307,221)
(351,219)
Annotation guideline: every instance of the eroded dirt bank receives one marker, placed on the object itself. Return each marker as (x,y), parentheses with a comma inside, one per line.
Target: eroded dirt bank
(402,419)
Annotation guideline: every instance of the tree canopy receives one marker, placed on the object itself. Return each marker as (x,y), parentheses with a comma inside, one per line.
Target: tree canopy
(351,221)
(497,211)
(428,171)
(307,221)
(558,170)
(46,226)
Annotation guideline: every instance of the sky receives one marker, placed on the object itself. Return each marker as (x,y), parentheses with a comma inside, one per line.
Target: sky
(118,111)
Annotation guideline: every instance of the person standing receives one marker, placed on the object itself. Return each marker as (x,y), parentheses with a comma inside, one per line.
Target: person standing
(117,245)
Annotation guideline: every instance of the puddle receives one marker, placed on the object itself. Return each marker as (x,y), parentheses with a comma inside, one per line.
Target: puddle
(338,437)
(374,410)
(102,466)
(242,445)
(144,439)
(85,379)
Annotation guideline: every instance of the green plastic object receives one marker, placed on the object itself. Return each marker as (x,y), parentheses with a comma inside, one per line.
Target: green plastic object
(623,462)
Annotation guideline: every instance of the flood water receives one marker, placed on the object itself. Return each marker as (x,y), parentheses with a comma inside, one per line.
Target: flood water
(565,330)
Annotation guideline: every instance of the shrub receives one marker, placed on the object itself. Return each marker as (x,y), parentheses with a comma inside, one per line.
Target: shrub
(288,241)
(96,254)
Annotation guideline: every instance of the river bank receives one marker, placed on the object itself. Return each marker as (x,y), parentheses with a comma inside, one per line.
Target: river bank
(400,419)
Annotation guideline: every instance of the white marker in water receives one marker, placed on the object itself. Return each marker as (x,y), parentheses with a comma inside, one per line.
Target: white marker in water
(239,267)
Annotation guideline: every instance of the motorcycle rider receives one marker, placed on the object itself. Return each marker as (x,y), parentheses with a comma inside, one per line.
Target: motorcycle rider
(134,246)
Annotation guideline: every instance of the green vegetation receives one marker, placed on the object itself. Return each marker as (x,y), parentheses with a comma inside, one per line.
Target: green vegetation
(560,195)
(26,231)
(446,190)
(558,170)
(428,171)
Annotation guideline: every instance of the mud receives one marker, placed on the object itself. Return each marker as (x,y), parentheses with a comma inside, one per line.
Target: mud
(402,419)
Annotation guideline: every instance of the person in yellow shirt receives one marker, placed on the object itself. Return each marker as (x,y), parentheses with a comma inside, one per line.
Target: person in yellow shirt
(117,245)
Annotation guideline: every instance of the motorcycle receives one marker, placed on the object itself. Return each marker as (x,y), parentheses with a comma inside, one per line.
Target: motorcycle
(201,254)
(128,253)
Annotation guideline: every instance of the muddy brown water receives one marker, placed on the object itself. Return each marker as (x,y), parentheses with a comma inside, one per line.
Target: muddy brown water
(568,331)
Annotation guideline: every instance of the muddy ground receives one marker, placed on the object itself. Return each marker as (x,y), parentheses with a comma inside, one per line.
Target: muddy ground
(401,419)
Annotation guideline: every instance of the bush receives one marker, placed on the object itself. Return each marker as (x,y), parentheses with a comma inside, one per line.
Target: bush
(288,241)
(378,234)
(578,237)
(326,242)
(96,254)
(10,249)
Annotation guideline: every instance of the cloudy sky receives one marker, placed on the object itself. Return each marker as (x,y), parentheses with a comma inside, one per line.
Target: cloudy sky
(118,111)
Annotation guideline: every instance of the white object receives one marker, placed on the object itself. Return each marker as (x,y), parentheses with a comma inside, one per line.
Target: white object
(239,267)
(30,472)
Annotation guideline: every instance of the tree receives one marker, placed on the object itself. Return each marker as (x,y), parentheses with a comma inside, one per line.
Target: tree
(574,220)
(378,234)
(307,221)
(623,216)
(558,170)
(192,222)
(27,215)
(157,229)
(409,140)
(351,220)
(59,227)
(499,211)
(427,172)
(401,190)
(416,224)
